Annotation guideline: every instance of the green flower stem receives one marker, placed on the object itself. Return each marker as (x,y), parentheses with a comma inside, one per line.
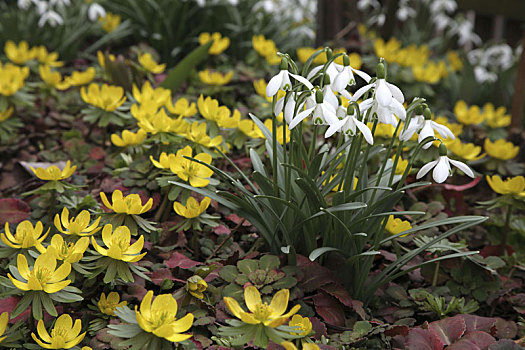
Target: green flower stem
(436,274)
(508,214)
(162,208)
(274,147)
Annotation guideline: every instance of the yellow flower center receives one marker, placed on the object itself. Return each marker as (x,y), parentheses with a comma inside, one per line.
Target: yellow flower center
(262,312)
(160,318)
(43,274)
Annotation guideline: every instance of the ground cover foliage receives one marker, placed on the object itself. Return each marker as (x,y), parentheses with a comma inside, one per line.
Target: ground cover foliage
(209,179)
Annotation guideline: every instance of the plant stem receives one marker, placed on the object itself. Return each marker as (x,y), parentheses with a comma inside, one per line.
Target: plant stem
(436,274)
(161,208)
(508,214)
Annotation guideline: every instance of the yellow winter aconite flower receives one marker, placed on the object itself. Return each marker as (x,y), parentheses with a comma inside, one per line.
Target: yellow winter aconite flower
(5,115)
(64,251)
(53,173)
(128,138)
(281,129)
(45,57)
(400,166)
(101,58)
(156,97)
(468,151)
(288,345)
(455,61)
(64,334)
(512,185)
(131,204)
(382,130)
(197,133)
(78,226)
(119,245)
(266,48)
(20,53)
(52,78)
(496,118)
(107,97)
(304,54)
(196,286)
(219,43)
(148,63)
(159,317)
(396,225)
(303,325)
(192,208)
(153,121)
(4,318)
(468,115)
(26,236)
(182,107)
(108,305)
(430,72)
(78,78)
(44,275)
(12,78)
(250,129)
(387,50)
(501,149)
(195,173)
(210,109)
(110,22)
(272,315)
(215,78)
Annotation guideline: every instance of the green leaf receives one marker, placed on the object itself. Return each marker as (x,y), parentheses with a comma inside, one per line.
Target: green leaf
(228,273)
(269,262)
(248,265)
(177,75)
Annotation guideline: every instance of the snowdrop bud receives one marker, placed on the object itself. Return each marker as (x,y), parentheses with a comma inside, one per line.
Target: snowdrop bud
(350,110)
(427,114)
(381,71)
(319,96)
(329,53)
(346,60)
(442,150)
(326,79)
(284,63)
(419,110)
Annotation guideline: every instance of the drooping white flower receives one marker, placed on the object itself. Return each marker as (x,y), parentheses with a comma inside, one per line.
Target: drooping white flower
(442,168)
(425,126)
(281,81)
(348,124)
(340,75)
(95,11)
(24,4)
(289,106)
(50,17)
(323,113)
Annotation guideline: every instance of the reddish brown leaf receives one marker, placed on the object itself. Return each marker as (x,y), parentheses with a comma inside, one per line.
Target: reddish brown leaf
(13,210)
(329,309)
(505,329)
(423,339)
(473,341)
(221,230)
(315,275)
(338,291)
(180,260)
(449,329)
(397,330)
(465,186)
(318,327)
(159,276)
(9,304)
(237,220)
(478,323)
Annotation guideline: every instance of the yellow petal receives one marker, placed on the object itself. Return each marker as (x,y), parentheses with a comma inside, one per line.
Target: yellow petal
(252,298)
(279,303)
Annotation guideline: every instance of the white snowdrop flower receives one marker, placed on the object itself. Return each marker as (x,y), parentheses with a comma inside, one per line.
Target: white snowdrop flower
(483,75)
(415,124)
(447,6)
(41,6)
(405,11)
(50,17)
(281,81)
(289,106)
(24,4)
(442,168)
(348,124)
(323,113)
(366,4)
(429,127)
(95,11)
(340,75)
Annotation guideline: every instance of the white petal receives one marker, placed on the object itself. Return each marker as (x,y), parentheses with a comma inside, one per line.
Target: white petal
(396,92)
(314,71)
(398,109)
(363,75)
(346,94)
(367,134)
(360,92)
(329,113)
(442,170)
(462,166)
(383,94)
(299,118)
(425,169)
(443,130)
(329,97)
(289,109)
(279,106)
(334,128)
(341,81)
(303,80)
(424,133)
(365,105)
(275,84)
(286,84)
